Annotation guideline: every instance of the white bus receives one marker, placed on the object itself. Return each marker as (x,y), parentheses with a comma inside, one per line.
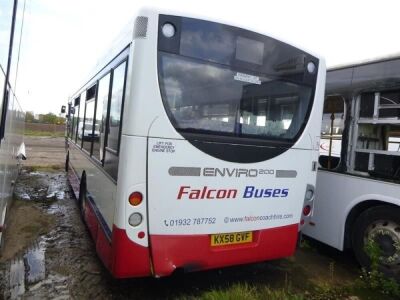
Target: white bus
(207,146)
(12,118)
(358,191)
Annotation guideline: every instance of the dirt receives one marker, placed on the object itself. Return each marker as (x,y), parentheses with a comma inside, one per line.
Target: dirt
(45,152)
(49,255)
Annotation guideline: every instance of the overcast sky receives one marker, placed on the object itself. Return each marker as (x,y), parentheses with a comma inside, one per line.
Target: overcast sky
(64,38)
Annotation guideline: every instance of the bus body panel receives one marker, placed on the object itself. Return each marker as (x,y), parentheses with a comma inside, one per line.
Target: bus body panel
(99,185)
(9,163)
(132,178)
(143,88)
(184,210)
(334,204)
(219,189)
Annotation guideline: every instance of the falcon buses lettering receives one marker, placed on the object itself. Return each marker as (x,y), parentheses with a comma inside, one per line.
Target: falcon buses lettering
(206,193)
(187,192)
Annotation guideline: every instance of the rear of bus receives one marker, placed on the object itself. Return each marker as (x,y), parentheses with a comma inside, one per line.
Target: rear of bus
(219,139)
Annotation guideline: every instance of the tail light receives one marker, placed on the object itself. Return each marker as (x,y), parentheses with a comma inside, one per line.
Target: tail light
(135,198)
(306,210)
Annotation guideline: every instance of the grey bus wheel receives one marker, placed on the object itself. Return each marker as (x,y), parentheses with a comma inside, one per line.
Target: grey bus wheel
(379,225)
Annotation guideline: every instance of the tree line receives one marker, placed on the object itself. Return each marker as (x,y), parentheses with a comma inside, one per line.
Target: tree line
(48,118)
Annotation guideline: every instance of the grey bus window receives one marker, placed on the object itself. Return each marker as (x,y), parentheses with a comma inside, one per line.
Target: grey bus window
(87,126)
(74,119)
(389,104)
(361,162)
(115,107)
(367,105)
(101,115)
(111,159)
(79,119)
(378,150)
(75,123)
(2,79)
(331,132)
(385,137)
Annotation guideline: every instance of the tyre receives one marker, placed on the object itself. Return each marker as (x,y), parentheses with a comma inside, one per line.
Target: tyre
(2,223)
(67,162)
(380,224)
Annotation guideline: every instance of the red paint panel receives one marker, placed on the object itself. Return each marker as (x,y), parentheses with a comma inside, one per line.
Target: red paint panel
(129,258)
(91,220)
(103,248)
(194,252)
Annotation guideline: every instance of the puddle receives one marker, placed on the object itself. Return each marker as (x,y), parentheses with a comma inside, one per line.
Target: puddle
(17,279)
(35,263)
(28,276)
(41,186)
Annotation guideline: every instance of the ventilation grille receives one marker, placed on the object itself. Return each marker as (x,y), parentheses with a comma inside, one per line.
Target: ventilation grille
(140,28)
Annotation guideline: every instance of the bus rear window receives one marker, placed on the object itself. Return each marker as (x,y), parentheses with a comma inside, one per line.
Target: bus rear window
(205,97)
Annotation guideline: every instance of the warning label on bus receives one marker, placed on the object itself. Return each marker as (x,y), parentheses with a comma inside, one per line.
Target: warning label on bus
(163,147)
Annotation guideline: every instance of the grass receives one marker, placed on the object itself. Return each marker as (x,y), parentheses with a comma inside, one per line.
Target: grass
(246,292)
(29,132)
(47,168)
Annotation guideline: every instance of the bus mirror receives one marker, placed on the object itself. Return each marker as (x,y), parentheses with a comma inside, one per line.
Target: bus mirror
(63,108)
(72,110)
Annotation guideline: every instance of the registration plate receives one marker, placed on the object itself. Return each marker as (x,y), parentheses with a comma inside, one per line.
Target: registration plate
(231,238)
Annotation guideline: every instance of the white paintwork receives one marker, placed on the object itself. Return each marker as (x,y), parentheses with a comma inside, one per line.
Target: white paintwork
(336,194)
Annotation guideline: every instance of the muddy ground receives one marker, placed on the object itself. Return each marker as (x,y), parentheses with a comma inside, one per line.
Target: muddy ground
(45,151)
(49,254)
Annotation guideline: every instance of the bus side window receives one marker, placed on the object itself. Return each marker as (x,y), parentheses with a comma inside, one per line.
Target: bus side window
(378,140)
(2,79)
(87,131)
(101,117)
(114,121)
(79,120)
(74,121)
(331,132)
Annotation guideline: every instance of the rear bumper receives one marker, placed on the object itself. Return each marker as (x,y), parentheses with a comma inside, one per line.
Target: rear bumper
(194,252)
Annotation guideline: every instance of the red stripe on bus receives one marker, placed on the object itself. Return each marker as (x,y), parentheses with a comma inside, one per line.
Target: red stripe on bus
(194,252)
(91,220)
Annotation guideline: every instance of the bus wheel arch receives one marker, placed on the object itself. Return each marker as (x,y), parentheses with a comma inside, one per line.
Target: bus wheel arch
(352,216)
(380,223)
(82,193)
